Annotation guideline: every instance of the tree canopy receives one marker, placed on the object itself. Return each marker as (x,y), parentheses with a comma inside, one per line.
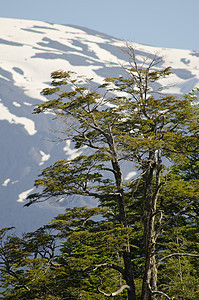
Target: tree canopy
(141,239)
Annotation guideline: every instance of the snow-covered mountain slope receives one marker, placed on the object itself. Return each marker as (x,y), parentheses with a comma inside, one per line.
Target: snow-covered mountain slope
(29,52)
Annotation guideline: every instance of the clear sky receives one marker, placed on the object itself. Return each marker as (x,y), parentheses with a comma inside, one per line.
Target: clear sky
(164,23)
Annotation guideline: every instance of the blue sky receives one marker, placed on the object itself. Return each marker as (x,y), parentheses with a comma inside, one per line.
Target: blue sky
(164,23)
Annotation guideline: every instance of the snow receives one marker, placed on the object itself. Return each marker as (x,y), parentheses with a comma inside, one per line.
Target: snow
(29,39)
(3,77)
(27,104)
(24,195)
(6,182)
(35,71)
(28,124)
(44,158)
(72,153)
(130,175)
(100,52)
(15,181)
(16,104)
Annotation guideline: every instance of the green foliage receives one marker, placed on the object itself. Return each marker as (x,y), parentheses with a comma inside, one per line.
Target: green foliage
(143,228)
(27,270)
(35,272)
(178,269)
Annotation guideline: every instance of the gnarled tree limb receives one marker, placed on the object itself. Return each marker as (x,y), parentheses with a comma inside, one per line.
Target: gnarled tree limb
(176,254)
(109,265)
(125,286)
(162,293)
(158,231)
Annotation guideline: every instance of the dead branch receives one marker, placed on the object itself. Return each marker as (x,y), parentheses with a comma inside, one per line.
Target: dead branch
(158,231)
(109,265)
(125,286)
(176,254)
(161,293)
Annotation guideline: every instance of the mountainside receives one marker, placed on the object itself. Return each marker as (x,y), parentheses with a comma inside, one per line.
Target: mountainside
(29,52)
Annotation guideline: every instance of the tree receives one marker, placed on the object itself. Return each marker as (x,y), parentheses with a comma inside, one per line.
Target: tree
(126,121)
(26,270)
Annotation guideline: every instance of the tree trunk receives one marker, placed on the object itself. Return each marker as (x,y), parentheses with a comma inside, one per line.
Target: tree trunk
(128,269)
(150,271)
(128,275)
(151,194)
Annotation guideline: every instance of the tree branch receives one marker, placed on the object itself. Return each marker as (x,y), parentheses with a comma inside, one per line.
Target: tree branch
(111,266)
(162,293)
(176,254)
(158,231)
(125,286)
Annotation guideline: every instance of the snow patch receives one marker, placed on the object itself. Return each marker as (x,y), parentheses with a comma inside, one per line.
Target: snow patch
(13,182)
(44,158)
(72,153)
(16,104)
(28,124)
(23,196)
(3,77)
(6,182)
(103,54)
(130,175)
(27,104)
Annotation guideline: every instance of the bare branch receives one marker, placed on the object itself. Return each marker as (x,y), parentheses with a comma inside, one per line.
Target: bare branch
(109,265)
(176,254)
(125,286)
(157,212)
(162,293)
(158,231)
